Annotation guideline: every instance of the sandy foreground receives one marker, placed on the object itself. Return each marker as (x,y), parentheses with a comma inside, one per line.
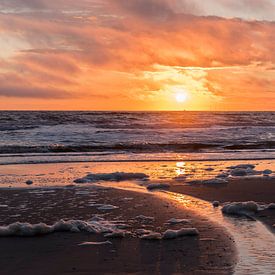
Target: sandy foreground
(212,252)
(53,196)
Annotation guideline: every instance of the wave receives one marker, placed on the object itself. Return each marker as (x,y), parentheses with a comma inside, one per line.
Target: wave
(135,132)
(139,148)
(149,147)
(14,120)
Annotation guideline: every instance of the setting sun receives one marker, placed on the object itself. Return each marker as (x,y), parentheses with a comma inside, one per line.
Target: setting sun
(181,97)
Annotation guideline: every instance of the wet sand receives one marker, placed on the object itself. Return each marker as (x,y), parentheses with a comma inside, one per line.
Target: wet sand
(261,190)
(212,252)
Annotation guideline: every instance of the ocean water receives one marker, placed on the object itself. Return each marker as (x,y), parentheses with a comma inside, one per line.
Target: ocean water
(128,134)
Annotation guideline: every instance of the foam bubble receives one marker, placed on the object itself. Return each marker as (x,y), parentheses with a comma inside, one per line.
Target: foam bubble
(240,208)
(96,226)
(151,236)
(173,234)
(158,186)
(117,176)
(177,221)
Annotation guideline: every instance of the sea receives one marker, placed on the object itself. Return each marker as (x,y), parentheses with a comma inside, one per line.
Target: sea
(72,136)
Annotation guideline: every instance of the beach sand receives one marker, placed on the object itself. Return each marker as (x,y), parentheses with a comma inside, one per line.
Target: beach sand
(212,252)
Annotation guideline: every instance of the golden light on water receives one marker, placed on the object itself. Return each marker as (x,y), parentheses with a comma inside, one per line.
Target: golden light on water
(181,168)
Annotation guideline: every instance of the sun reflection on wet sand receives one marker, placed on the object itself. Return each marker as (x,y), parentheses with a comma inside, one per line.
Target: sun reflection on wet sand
(61,174)
(180,170)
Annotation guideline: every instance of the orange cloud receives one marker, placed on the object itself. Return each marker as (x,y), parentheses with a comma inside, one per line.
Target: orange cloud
(133,55)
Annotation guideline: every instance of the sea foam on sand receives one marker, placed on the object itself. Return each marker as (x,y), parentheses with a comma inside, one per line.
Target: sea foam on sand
(242,166)
(107,207)
(96,226)
(116,176)
(239,208)
(213,181)
(177,221)
(94,243)
(241,170)
(244,208)
(170,234)
(151,236)
(154,186)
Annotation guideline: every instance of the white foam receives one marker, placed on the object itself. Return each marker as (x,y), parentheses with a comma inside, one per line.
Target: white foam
(177,221)
(96,225)
(143,231)
(158,186)
(151,236)
(116,234)
(127,199)
(173,234)
(243,166)
(244,170)
(271,206)
(222,175)
(240,208)
(94,243)
(107,207)
(84,192)
(215,181)
(117,176)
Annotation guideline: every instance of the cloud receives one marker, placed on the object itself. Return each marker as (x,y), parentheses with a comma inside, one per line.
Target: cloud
(148,9)
(109,48)
(251,9)
(44,5)
(32,92)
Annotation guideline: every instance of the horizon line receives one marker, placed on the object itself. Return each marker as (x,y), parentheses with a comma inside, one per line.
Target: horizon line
(90,110)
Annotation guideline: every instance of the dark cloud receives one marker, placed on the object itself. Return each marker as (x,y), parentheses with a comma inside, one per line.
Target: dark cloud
(26,6)
(32,92)
(149,9)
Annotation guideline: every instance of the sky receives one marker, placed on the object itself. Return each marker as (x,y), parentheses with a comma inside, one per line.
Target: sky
(137,55)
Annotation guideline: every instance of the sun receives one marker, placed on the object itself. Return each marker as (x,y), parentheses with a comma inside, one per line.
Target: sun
(181,97)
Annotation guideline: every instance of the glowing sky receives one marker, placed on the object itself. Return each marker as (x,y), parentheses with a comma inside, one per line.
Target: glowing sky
(137,54)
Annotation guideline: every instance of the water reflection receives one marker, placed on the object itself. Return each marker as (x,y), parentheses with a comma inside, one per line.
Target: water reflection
(255,243)
(180,169)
